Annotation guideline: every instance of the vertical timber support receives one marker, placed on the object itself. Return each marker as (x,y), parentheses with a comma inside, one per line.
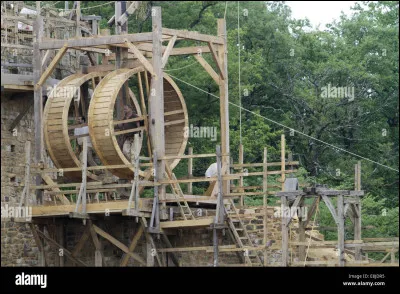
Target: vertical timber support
(220,209)
(190,171)
(340,216)
(241,177)
(283,166)
(224,102)
(265,204)
(284,206)
(357,216)
(285,232)
(156,102)
(38,98)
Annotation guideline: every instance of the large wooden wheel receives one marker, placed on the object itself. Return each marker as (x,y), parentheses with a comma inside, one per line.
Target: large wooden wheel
(102,115)
(55,118)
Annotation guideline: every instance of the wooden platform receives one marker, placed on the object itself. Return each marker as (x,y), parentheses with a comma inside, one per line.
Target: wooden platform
(203,222)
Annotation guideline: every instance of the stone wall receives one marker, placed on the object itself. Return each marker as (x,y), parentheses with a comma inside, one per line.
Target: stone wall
(17,245)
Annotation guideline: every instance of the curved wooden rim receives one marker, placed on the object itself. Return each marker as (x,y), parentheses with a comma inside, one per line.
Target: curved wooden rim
(55,118)
(100,116)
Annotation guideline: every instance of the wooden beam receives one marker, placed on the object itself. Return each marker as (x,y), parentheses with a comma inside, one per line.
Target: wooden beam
(208,68)
(20,116)
(118,244)
(187,223)
(49,181)
(190,171)
(265,204)
(283,165)
(216,59)
(297,203)
(132,246)
(66,252)
(82,241)
(193,36)
(331,208)
(51,66)
(340,223)
(39,244)
(130,10)
(224,100)
(142,59)
(167,51)
(95,41)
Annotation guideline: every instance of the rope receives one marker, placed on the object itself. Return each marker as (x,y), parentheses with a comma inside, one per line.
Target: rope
(294,130)
(312,229)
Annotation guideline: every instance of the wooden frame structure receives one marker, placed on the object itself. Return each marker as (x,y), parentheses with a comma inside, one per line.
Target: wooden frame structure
(145,53)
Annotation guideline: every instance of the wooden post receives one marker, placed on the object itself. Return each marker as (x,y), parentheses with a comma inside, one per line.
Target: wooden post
(285,232)
(155,214)
(38,98)
(26,193)
(84,173)
(156,104)
(340,215)
(283,166)
(393,256)
(190,171)
(241,171)
(219,212)
(60,238)
(224,102)
(215,246)
(357,217)
(265,204)
(150,257)
(78,19)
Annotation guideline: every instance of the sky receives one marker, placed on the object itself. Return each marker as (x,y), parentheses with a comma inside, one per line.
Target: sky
(319,12)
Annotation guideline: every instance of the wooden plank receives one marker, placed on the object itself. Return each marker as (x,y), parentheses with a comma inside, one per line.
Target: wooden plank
(167,51)
(208,68)
(49,181)
(142,59)
(118,244)
(51,66)
(187,223)
(193,36)
(95,41)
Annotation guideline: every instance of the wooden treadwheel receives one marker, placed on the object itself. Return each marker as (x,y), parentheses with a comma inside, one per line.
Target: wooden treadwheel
(55,121)
(102,119)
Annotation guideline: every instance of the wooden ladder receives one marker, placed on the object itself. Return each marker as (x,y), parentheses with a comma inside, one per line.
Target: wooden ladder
(241,235)
(179,196)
